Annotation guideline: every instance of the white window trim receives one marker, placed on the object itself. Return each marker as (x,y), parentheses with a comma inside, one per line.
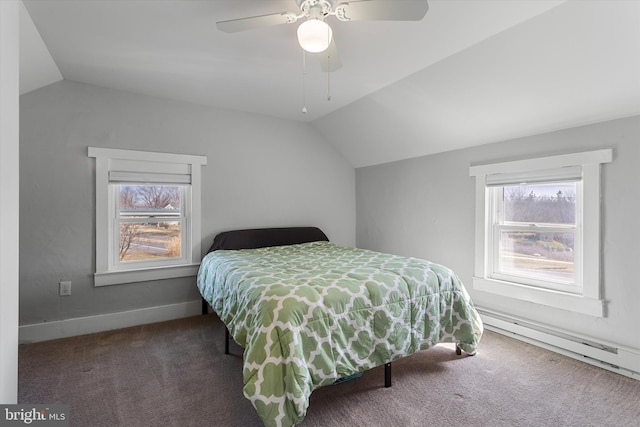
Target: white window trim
(590,302)
(104,157)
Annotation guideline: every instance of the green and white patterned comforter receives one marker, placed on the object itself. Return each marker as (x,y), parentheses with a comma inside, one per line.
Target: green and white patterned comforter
(309,314)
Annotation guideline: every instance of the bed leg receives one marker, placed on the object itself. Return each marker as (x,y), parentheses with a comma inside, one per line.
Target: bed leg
(387,374)
(226,340)
(458,350)
(205,306)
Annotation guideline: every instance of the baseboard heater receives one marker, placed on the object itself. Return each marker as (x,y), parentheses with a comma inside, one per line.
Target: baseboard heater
(624,361)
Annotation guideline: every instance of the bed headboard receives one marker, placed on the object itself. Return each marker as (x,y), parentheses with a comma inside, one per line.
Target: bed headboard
(263,237)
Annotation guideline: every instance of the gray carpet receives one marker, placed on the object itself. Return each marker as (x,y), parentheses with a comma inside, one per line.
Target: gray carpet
(176,374)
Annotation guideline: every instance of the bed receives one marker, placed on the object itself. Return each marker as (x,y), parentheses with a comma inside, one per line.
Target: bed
(308,312)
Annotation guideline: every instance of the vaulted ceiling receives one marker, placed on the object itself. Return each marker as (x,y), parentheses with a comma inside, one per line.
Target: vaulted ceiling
(471,72)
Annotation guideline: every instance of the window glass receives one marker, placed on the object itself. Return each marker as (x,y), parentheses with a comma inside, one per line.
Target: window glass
(144,241)
(535,234)
(150,222)
(544,256)
(552,203)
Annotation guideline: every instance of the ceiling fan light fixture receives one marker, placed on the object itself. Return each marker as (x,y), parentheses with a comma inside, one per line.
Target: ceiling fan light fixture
(314,35)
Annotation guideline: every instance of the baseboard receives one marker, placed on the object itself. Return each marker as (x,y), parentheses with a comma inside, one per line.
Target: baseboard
(609,356)
(106,322)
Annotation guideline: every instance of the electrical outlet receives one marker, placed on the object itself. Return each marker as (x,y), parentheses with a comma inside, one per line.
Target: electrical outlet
(65,288)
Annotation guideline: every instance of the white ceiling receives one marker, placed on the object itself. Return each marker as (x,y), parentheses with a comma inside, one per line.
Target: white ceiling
(471,72)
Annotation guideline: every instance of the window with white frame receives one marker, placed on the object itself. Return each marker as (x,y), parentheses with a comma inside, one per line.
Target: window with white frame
(147,215)
(538,230)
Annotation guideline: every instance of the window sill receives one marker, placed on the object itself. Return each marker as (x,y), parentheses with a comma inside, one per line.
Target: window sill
(130,276)
(551,298)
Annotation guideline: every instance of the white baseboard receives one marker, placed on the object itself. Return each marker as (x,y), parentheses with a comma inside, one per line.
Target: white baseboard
(609,356)
(106,322)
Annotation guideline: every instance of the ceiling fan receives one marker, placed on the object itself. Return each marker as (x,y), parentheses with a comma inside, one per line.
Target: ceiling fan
(316,36)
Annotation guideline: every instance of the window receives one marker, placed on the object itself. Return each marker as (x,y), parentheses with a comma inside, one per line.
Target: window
(147,215)
(538,230)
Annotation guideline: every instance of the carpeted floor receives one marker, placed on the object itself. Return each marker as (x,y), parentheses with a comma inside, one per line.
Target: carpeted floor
(176,374)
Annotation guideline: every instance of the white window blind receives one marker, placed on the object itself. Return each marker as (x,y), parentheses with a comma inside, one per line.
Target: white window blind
(148,177)
(570,173)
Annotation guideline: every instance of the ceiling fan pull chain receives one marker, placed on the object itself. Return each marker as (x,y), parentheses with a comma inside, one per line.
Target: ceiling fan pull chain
(328,81)
(329,67)
(328,78)
(304,85)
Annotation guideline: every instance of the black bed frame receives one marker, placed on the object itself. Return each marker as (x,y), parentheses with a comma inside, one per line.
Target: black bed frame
(263,237)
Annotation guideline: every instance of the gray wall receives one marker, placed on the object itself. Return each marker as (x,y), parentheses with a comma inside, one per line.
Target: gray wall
(261,172)
(424,207)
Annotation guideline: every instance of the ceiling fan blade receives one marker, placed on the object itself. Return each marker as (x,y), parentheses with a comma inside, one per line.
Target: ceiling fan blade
(330,59)
(384,10)
(243,24)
